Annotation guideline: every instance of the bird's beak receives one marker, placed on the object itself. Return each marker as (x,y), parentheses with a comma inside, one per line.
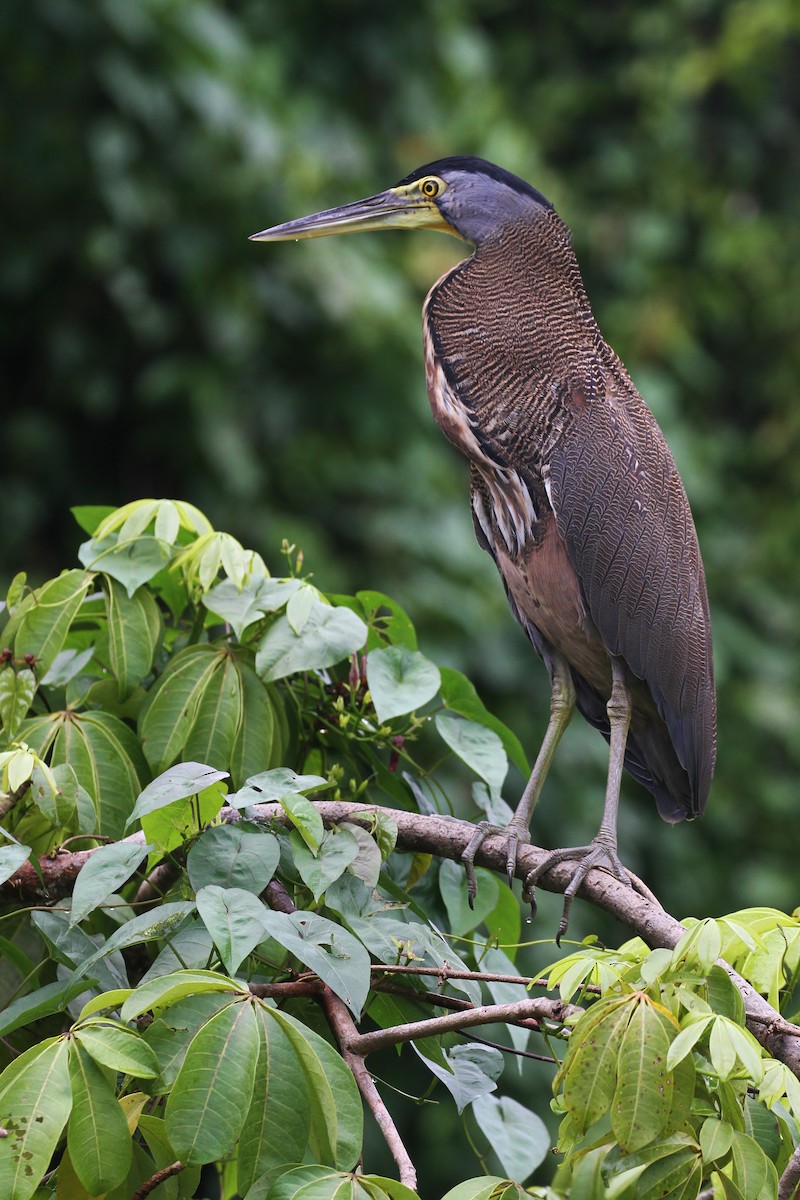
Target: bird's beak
(397,208)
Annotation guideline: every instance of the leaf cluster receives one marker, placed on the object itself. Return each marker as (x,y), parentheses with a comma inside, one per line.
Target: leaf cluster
(173,1009)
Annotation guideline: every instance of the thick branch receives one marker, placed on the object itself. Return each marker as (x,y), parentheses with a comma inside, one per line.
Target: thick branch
(447,837)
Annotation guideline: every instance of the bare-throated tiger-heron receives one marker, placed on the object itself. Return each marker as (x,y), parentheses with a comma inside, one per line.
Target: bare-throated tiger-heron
(574,491)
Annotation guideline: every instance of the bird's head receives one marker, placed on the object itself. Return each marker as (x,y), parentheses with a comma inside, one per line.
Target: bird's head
(467,197)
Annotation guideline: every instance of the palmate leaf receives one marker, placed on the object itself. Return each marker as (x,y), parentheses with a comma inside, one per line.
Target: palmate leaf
(337,1117)
(117,1047)
(210,1099)
(41,622)
(277,1128)
(35,1100)
(104,754)
(257,744)
(134,629)
(17,689)
(643,1095)
(98,1139)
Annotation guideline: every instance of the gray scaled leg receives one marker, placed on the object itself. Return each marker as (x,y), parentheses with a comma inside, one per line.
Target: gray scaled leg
(562,706)
(602,850)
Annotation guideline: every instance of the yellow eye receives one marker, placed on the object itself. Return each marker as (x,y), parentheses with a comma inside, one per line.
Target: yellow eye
(431,188)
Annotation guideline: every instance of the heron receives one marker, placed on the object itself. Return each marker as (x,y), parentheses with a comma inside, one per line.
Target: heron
(574,493)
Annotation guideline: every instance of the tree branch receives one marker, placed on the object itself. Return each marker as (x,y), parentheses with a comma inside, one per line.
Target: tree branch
(538,1009)
(790,1179)
(150,1185)
(448,837)
(345,1031)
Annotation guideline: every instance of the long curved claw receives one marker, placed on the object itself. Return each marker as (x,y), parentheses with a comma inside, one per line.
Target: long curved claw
(483,830)
(599,853)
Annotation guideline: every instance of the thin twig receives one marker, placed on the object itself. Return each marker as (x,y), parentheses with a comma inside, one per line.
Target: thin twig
(150,1185)
(445,972)
(536,1009)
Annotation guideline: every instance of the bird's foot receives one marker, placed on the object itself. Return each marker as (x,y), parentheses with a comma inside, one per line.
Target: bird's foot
(601,852)
(484,829)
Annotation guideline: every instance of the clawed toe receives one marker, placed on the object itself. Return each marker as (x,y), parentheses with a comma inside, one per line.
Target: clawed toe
(483,830)
(598,854)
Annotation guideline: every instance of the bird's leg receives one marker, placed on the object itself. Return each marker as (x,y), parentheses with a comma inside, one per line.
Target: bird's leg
(562,706)
(602,850)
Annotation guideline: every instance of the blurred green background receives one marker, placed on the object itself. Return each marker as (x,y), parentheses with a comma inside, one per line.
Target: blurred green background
(150,349)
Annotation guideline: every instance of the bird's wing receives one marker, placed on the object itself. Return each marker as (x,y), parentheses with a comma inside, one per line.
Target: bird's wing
(624,517)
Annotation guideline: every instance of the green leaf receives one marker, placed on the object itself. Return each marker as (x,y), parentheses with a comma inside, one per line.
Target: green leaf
(589,1070)
(105,872)
(314,1182)
(367,863)
(337,850)
(643,1095)
(256,736)
(516,1135)
(337,1118)
(716,1138)
(337,957)
(182,780)
(41,623)
(89,516)
(168,715)
(233,917)
(148,927)
(98,1139)
(11,859)
(115,1046)
(274,785)
(687,1039)
(473,1071)
(305,819)
(35,1101)
(131,563)
(176,823)
(52,998)
(239,856)
(167,990)
(210,1099)
(453,888)
(395,628)
(400,681)
(328,636)
(134,626)
(752,1170)
(66,666)
(476,745)
(171,1034)
(459,694)
(492,1187)
(218,714)
(17,689)
(104,754)
(277,1128)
